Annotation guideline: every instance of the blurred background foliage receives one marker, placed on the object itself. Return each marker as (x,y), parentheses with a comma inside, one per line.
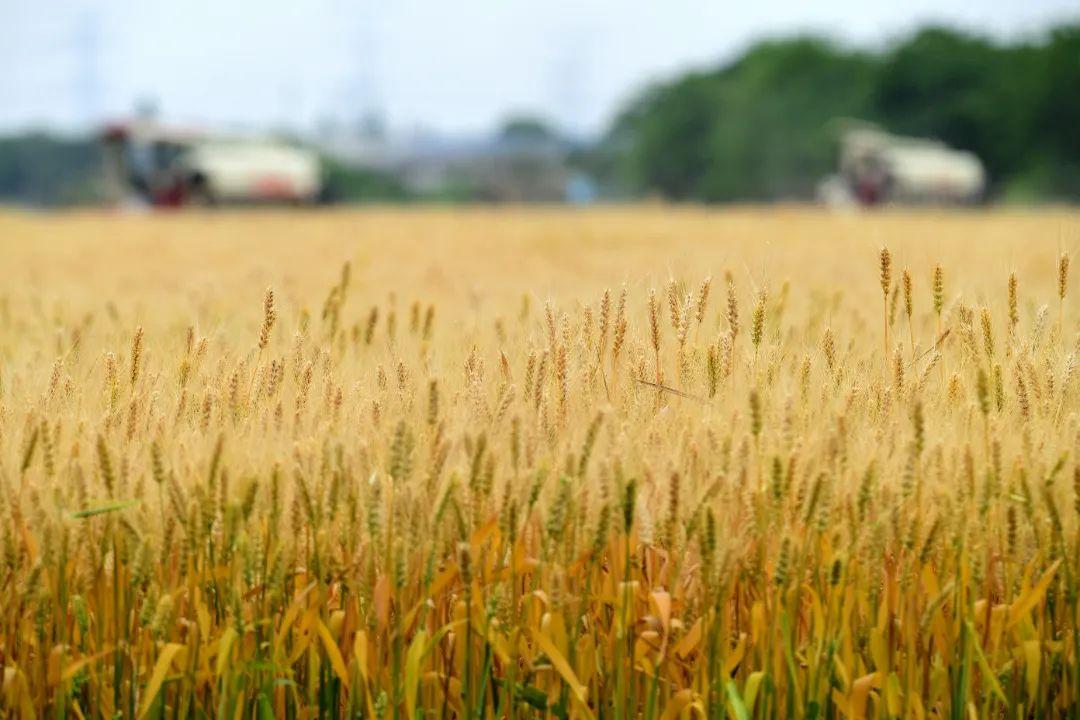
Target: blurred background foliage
(762,127)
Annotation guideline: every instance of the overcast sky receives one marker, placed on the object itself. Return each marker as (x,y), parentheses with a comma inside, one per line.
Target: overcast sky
(455,67)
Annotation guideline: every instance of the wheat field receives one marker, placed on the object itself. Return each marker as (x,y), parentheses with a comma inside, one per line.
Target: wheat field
(619,463)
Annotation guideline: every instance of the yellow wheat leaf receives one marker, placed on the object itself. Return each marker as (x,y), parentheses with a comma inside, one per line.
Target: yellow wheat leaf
(750,692)
(735,656)
(680,701)
(878,651)
(758,625)
(413,657)
(860,692)
(333,652)
(224,649)
(291,614)
(1029,599)
(360,652)
(203,616)
(1032,661)
(561,666)
(161,669)
(892,695)
(689,641)
(917,706)
(16,693)
(585,656)
(73,669)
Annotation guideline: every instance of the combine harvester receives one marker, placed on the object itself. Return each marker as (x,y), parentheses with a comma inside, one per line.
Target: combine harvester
(877,168)
(162,166)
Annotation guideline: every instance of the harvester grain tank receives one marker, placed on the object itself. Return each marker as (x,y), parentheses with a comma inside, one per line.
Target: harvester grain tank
(876,167)
(174,166)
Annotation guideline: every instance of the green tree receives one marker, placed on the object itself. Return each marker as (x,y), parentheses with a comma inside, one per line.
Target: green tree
(755,129)
(965,91)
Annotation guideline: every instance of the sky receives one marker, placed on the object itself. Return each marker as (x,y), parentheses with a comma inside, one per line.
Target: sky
(450,67)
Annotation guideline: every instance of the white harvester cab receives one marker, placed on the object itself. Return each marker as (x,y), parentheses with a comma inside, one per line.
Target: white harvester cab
(876,167)
(170,166)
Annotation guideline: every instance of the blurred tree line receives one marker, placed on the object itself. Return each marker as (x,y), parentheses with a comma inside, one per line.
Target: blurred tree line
(44,170)
(761,127)
(758,128)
